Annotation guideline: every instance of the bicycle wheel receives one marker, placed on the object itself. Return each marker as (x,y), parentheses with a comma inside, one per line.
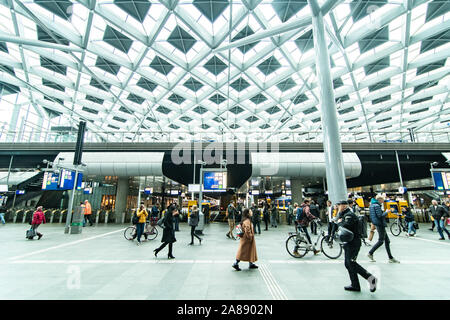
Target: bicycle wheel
(152,234)
(331,249)
(129,233)
(395,229)
(297,248)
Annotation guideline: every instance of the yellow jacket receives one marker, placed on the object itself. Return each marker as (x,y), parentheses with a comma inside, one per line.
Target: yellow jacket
(142,214)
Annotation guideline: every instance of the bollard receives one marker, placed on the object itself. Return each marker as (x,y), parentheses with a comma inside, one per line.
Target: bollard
(98,216)
(76,225)
(122,218)
(106,217)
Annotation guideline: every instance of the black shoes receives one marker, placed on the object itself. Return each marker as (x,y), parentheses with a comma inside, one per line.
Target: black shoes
(253,266)
(228,236)
(441,238)
(170,256)
(236,266)
(191,244)
(373,283)
(40,236)
(156,252)
(350,288)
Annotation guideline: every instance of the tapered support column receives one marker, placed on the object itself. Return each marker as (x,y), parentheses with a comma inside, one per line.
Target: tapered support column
(296,191)
(121,195)
(337,187)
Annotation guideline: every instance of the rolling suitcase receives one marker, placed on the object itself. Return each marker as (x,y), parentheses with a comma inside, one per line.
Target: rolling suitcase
(30,234)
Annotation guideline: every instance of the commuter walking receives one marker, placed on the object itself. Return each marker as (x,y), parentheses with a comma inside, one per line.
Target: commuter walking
(38,219)
(314,209)
(266,215)
(256,218)
(290,213)
(168,237)
(231,216)
(142,214)
(273,215)
(349,220)
(155,211)
(2,214)
(247,245)
(409,219)
(439,214)
(176,219)
(378,218)
(87,213)
(193,222)
(330,217)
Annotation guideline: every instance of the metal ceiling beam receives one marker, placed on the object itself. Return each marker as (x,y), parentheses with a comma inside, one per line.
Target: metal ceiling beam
(37,43)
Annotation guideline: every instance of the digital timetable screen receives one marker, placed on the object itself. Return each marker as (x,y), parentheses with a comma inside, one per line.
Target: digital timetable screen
(215,181)
(441,180)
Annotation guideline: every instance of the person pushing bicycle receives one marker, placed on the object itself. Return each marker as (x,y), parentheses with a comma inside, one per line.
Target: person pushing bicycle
(303,218)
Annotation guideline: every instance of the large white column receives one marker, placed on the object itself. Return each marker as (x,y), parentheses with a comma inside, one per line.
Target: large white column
(121,195)
(337,187)
(296,191)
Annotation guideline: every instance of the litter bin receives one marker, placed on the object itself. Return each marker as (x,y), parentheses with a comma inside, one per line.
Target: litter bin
(77,220)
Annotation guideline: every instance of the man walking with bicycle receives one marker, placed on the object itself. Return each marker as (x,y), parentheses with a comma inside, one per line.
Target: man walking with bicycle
(378,218)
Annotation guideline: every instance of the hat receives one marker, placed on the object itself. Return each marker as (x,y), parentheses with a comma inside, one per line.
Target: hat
(342,202)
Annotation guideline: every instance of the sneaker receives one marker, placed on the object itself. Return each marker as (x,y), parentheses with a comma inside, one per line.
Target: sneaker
(316,252)
(350,288)
(296,254)
(39,237)
(393,260)
(372,283)
(253,266)
(228,236)
(441,238)
(371,258)
(236,266)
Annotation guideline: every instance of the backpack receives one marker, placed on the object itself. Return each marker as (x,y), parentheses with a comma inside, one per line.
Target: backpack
(135,218)
(362,226)
(299,215)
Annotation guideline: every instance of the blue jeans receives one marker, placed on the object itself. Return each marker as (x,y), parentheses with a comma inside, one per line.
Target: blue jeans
(441,227)
(2,218)
(411,227)
(140,230)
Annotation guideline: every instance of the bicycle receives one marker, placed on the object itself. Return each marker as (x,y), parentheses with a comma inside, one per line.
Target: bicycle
(398,225)
(149,230)
(297,244)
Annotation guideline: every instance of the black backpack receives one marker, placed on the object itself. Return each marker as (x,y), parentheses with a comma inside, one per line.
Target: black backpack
(299,214)
(135,218)
(362,226)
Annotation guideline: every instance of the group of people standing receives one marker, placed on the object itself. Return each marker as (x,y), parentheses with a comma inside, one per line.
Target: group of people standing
(440,213)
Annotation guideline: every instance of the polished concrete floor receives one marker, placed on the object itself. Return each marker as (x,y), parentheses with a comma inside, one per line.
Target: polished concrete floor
(101,264)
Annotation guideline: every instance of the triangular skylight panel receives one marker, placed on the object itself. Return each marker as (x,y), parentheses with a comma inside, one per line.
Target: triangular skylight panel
(217,98)
(269,65)
(53,65)
(125,110)
(286,9)
(163,110)
(44,36)
(437,8)
(3,47)
(252,119)
(259,98)
(286,84)
(161,65)
(181,39)
(273,110)
(212,9)
(97,84)
(377,66)
(186,119)
(430,67)
(94,99)
(247,31)
(107,65)
(176,98)
(193,84)
(240,84)
(215,66)
(305,41)
(362,8)
(435,41)
(200,110)
(135,98)
(374,39)
(62,8)
(7,88)
(138,9)
(299,99)
(146,84)
(117,39)
(236,110)
(53,85)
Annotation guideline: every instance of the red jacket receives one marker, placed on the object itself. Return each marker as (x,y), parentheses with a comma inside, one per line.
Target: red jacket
(38,217)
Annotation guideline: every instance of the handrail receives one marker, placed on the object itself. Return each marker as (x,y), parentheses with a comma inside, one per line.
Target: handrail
(246,135)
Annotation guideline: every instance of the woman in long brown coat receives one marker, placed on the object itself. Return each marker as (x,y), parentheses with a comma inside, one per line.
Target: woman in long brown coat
(247,245)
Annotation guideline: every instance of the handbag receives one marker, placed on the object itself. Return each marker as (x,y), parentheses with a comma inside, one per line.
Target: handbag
(239,231)
(344,235)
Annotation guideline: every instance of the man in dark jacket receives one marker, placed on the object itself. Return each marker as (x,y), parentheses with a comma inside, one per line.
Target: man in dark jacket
(314,209)
(439,214)
(256,218)
(378,218)
(349,221)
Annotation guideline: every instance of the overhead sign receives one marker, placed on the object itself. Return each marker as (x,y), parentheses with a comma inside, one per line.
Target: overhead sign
(441,180)
(193,188)
(50,181)
(215,181)
(148,190)
(67,180)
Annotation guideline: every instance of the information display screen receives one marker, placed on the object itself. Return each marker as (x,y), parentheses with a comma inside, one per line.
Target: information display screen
(67,180)
(50,181)
(148,190)
(441,180)
(215,181)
